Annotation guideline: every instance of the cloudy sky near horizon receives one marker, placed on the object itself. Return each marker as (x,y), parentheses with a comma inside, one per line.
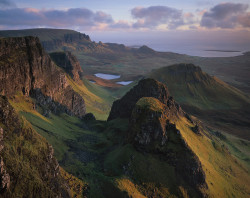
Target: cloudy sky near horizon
(108,19)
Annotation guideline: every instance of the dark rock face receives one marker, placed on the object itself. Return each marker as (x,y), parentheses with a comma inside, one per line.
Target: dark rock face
(25,67)
(42,166)
(123,107)
(69,63)
(4,176)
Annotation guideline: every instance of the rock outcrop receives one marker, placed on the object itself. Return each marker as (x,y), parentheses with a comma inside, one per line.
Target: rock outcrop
(28,158)
(69,63)
(26,68)
(123,107)
(152,129)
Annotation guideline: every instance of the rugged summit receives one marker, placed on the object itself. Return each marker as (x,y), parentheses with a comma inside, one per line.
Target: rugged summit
(25,67)
(152,115)
(69,63)
(123,107)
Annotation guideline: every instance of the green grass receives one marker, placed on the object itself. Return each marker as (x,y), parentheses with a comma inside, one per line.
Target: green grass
(150,103)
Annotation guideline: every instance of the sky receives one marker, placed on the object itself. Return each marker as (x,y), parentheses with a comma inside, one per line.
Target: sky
(158,23)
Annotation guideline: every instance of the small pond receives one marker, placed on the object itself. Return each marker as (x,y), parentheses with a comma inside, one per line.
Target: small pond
(124,82)
(107,76)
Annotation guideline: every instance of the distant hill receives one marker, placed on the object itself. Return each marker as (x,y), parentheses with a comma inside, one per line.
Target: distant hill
(191,86)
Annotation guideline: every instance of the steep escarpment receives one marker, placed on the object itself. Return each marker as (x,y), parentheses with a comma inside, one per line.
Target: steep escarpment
(69,63)
(123,107)
(26,68)
(51,39)
(30,169)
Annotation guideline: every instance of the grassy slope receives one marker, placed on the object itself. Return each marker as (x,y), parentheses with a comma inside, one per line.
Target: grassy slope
(76,145)
(226,175)
(25,156)
(98,101)
(111,171)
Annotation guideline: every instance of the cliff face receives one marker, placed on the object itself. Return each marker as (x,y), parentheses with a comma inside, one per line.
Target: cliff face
(69,63)
(68,38)
(29,169)
(26,68)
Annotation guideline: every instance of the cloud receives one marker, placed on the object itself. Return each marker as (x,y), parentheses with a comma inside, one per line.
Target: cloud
(71,18)
(154,16)
(122,24)
(6,4)
(226,15)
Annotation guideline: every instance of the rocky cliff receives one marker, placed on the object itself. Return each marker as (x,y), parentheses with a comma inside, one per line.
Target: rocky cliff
(29,168)
(123,107)
(67,38)
(69,63)
(26,68)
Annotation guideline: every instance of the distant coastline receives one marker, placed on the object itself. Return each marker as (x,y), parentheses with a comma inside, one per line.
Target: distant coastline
(222,51)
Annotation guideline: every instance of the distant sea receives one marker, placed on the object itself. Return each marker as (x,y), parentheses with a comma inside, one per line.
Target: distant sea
(197,51)
(214,44)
